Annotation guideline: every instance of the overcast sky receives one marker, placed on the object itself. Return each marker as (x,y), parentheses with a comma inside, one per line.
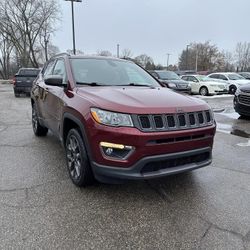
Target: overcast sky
(154,27)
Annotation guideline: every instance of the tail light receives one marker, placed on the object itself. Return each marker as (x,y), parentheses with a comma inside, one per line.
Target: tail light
(14,81)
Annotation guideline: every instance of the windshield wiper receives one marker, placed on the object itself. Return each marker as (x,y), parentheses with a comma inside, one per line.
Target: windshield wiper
(139,85)
(90,83)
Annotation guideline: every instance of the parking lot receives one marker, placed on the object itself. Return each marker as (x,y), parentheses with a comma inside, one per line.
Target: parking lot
(40,208)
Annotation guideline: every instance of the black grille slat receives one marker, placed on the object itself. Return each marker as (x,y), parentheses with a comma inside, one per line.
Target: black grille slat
(191,119)
(182,120)
(171,121)
(208,116)
(244,99)
(200,118)
(145,122)
(158,121)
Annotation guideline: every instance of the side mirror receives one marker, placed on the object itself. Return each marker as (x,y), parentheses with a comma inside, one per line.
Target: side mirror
(54,80)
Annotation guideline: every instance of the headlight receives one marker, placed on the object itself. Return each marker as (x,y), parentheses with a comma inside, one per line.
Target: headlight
(111,118)
(171,85)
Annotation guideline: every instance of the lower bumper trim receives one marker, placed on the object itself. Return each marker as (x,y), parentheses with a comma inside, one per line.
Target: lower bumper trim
(136,171)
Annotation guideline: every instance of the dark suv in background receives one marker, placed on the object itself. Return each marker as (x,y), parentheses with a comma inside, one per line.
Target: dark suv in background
(117,122)
(171,80)
(22,82)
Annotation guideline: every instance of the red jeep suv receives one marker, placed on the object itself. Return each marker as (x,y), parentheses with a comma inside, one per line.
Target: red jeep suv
(117,122)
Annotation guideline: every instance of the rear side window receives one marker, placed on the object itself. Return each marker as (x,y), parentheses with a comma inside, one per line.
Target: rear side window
(222,77)
(216,76)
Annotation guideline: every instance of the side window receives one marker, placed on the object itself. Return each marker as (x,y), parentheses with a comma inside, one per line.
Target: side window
(222,77)
(59,69)
(48,70)
(185,78)
(192,79)
(216,76)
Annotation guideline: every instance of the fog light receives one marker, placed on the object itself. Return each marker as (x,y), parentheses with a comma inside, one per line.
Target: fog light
(118,151)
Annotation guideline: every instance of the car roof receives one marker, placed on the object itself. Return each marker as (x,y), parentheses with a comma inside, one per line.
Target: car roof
(90,57)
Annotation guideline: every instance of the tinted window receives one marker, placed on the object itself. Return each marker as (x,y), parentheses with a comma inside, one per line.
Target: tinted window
(192,79)
(48,69)
(216,76)
(29,72)
(235,77)
(222,77)
(109,72)
(184,78)
(59,69)
(168,75)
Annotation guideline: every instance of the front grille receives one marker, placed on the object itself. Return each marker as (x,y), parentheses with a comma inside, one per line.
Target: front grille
(180,121)
(244,99)
(175,162)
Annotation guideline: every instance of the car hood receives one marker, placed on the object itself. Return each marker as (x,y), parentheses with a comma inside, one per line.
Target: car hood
(241,82)
(245,88)
(140,100)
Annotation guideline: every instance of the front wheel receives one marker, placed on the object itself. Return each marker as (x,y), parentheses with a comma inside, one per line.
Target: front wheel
(38,129)
(77,160)
(203,91)
(232,89)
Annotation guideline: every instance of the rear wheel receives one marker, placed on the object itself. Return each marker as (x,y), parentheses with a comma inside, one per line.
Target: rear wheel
(203,91)
(77,160)
(232,89)
(16,93)
(38,129)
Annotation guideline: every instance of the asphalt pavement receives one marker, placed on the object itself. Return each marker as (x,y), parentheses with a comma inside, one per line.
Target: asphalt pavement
(40,208)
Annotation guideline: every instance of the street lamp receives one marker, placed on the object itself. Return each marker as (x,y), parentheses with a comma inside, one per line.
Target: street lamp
(73,24)
(187,56)
(168,54)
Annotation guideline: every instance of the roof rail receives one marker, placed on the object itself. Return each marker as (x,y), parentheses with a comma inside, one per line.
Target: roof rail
(61,54)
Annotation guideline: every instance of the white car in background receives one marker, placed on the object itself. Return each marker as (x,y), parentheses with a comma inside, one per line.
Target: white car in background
(205,86)
(234,80)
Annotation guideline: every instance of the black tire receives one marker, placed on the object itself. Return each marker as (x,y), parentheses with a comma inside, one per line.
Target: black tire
(232,89)
(17,94)
(203,91)
(77,158)
(38,129)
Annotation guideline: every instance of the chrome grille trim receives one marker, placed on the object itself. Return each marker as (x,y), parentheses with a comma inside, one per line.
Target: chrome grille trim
(175,117)
(244,99)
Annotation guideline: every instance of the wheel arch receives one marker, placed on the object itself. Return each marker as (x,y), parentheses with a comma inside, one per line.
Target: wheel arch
(69,122)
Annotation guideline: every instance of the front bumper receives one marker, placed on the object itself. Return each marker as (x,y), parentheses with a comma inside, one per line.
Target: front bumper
(156,166)
(241,108)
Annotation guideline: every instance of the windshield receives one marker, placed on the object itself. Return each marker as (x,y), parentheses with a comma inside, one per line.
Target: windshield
(168,75)
(235,77)
(204,78)
(110,72)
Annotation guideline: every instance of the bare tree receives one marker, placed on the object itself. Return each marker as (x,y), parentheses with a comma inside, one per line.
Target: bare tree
(5,57)
(127,54)
(103,53)
(242,56)
(205,55)
(25,22)
(144,60)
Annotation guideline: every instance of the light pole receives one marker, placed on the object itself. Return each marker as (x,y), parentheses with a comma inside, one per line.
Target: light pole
(187,57)
(73,23)
(168,54)
(118,50)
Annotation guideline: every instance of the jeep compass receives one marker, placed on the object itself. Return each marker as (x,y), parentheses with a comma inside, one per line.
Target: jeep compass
(116,122)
